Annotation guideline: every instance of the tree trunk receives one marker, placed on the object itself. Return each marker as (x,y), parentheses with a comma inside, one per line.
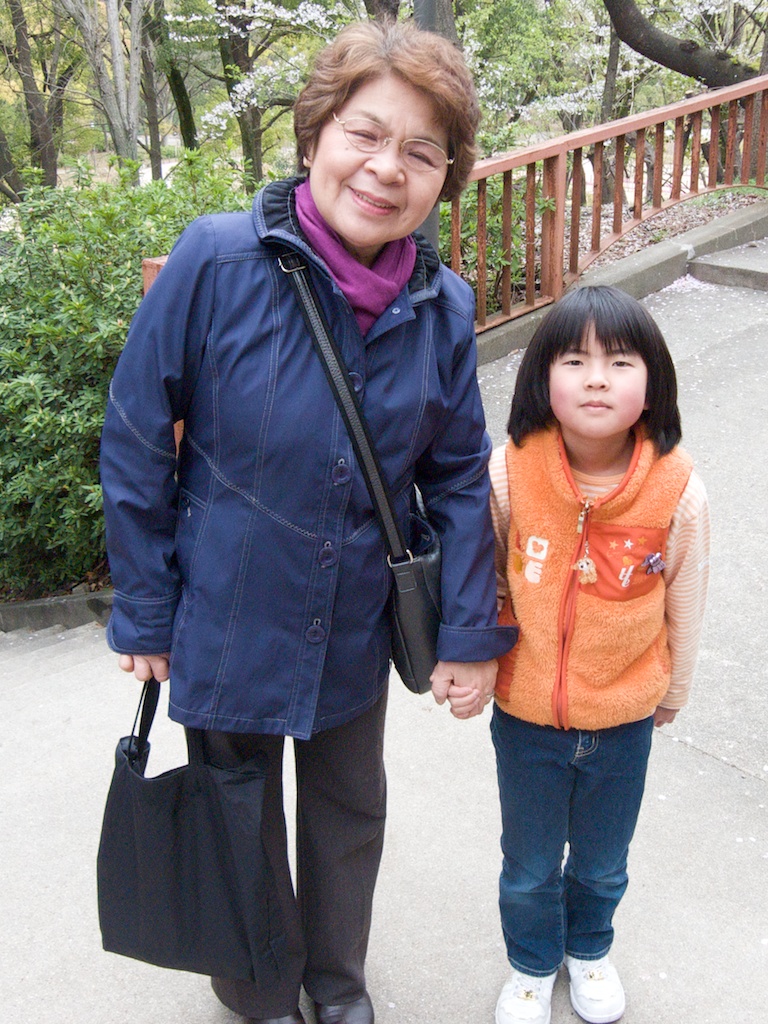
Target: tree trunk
(685,56)
(249,123)
(56,101)
(118,92)
(446,21)
(382,10)
(11,184)
(234,55)
(44,150)
(169,66)
(153,116)
(609,86)
(436,16)
(135,61)
(178,87)
(608,103)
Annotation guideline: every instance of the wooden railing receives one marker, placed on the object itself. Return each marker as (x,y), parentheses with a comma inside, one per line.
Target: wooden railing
(546,186)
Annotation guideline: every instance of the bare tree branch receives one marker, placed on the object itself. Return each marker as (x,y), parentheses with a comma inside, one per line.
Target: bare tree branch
(713,68)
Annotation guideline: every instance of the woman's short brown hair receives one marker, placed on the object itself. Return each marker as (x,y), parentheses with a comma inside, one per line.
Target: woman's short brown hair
(368,50)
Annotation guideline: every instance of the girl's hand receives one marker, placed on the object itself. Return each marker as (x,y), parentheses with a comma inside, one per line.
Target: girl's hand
(145,665)
(467,686)
(663,716)
(465,702)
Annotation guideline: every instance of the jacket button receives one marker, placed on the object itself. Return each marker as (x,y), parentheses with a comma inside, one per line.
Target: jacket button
(315,634)
(341,473)
(328,555)
(357,381)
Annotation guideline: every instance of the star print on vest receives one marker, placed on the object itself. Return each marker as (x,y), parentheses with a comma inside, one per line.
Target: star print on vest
(619,558)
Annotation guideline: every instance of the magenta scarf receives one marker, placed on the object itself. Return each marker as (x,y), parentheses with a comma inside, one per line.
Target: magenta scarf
(368,290)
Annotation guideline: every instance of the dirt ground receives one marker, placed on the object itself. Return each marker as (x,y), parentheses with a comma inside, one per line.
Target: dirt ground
(692,213)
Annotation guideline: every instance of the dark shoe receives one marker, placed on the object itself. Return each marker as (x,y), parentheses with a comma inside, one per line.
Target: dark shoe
(358,1012)
(292,1018)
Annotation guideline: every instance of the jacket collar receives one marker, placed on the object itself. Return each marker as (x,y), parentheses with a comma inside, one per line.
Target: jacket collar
(275,221)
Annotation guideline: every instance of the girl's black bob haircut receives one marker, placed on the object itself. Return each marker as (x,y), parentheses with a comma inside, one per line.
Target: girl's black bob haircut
(622,325)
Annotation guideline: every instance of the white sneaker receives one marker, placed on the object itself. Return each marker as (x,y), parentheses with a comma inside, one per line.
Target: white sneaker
(597,994)
(525,999)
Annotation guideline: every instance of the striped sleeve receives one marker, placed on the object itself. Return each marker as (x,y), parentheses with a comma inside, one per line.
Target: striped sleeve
(686,576)
(497,469)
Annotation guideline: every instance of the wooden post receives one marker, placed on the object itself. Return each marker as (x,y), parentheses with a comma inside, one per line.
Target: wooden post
(150,268)
(553,226)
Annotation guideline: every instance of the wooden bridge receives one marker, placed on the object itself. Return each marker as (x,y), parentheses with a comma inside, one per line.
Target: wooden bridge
(547,184)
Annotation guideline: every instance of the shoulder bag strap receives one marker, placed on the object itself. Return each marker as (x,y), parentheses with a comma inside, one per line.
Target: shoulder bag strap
(292,264)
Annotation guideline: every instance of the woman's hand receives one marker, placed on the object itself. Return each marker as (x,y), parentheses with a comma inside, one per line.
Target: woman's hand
(467,685)
(145,665)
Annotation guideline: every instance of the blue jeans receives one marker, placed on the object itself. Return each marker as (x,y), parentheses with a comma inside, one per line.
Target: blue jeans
(560,787)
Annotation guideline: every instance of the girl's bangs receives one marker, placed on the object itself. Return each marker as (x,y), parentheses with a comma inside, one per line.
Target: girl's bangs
(614,339)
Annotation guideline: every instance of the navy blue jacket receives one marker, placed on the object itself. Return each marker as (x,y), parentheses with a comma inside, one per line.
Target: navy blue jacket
(256,558)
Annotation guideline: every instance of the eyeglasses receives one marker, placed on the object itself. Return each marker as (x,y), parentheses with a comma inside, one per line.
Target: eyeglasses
(368,137)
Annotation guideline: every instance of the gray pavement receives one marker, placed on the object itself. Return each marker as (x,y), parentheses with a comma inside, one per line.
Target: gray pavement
(692,931)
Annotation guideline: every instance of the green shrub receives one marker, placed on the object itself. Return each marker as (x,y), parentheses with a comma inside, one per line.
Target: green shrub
(70,281)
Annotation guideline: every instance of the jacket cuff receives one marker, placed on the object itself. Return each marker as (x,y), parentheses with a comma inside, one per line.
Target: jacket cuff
(457,643)
(141,627)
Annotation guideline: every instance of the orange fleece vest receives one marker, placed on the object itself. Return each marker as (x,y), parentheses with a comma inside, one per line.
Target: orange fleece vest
(592,651)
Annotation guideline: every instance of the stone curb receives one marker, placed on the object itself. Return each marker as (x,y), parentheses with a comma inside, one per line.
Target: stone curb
(650,270)
(67,611)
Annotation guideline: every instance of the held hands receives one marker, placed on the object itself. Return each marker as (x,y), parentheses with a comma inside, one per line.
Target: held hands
(467,685)
(145,665)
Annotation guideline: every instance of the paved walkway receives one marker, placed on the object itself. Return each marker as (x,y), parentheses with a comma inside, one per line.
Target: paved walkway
(692,932)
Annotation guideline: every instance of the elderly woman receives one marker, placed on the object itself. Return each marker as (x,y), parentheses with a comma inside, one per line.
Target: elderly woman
(250,568)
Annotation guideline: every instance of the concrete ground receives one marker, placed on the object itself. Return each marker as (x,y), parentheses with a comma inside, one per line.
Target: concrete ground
(692,931)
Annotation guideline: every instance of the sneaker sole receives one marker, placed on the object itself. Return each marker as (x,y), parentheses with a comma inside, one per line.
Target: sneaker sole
(547,1021)
(602,1019)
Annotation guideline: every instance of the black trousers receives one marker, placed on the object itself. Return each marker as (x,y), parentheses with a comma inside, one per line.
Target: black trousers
(341,807)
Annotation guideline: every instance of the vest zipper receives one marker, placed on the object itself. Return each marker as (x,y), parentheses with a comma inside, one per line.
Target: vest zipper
(586,506)
(567,616)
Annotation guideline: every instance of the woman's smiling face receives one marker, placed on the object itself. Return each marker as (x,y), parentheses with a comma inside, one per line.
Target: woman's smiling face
(370,199)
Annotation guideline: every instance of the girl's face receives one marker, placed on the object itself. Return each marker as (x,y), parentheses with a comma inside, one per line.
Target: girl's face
(370,199)
(596,396)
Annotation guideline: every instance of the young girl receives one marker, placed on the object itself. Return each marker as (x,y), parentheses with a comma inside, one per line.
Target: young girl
(602,538)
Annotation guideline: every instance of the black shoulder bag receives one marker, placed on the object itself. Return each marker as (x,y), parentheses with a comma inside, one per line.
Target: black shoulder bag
(415,565)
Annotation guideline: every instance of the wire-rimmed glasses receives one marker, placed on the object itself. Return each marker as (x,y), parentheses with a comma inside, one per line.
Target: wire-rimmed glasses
(417,154)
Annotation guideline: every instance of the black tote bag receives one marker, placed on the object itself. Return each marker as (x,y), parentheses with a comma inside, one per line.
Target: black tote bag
(183,881)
